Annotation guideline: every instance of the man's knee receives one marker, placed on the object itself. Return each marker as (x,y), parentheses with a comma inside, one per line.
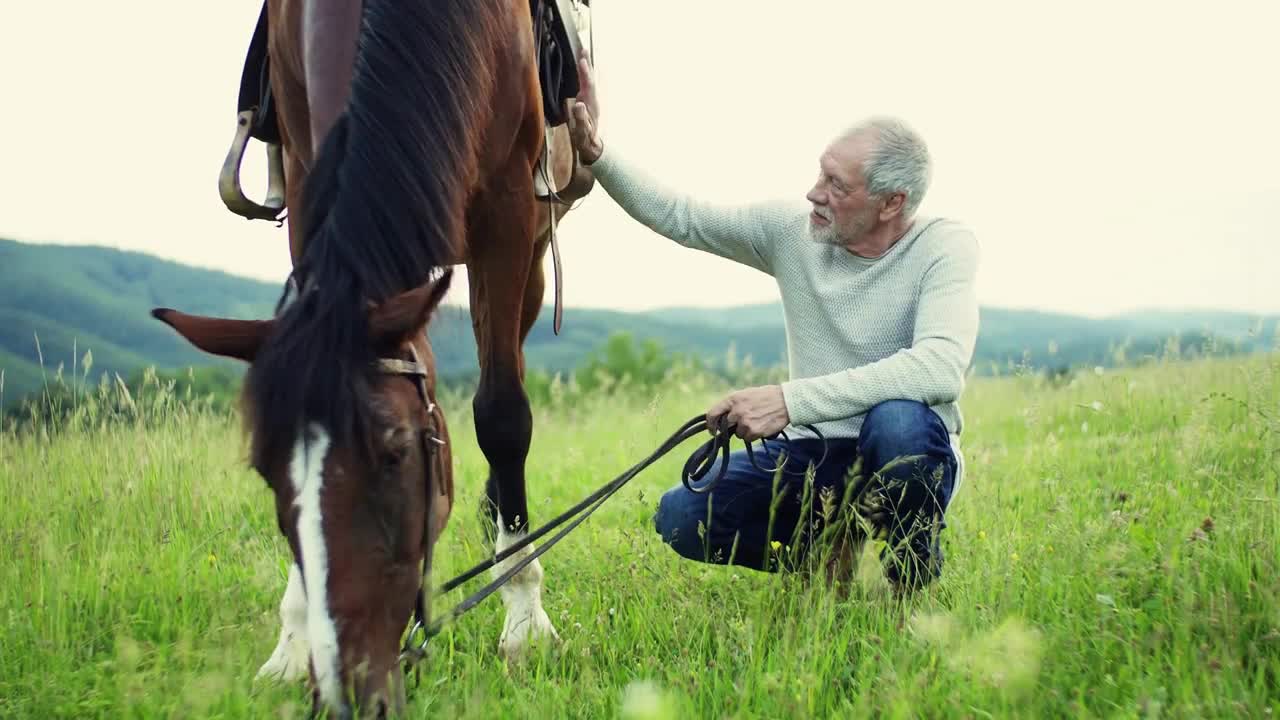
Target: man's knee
(902,424)
(677,521)
(903,430)
(906,445)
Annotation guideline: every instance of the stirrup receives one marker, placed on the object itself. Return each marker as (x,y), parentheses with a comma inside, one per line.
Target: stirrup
(229,178)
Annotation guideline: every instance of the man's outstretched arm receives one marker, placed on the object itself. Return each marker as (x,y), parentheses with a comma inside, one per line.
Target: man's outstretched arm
(743,233)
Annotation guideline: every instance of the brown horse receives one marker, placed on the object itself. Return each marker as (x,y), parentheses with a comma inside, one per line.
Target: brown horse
(411,132)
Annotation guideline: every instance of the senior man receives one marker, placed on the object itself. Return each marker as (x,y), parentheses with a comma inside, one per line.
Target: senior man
(881,320)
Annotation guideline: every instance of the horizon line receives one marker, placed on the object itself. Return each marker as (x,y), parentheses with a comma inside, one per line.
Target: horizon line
(447,302)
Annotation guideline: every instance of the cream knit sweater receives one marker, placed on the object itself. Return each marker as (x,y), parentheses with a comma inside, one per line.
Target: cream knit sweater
(859,331)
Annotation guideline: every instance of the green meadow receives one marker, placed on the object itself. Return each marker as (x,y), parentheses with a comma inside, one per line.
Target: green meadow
(1113,553)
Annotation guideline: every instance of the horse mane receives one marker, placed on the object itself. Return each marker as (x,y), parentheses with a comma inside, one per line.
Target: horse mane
(383,209)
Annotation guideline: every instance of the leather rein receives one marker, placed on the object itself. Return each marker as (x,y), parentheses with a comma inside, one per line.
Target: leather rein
(696,468)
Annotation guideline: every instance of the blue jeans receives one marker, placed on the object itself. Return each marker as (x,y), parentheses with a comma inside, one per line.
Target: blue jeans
(903,504)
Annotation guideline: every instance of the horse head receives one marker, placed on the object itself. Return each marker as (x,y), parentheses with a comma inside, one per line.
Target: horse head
(360,503)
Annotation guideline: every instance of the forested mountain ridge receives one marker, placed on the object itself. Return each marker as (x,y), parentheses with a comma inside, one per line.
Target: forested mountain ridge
(57,302)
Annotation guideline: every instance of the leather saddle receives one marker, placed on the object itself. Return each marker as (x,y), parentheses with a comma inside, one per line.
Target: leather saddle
(558,45)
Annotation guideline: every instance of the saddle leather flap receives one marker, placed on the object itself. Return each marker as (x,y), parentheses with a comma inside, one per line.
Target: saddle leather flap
(255,86)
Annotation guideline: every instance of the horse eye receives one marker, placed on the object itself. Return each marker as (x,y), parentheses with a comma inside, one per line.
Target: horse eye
(395,447)
(394,455)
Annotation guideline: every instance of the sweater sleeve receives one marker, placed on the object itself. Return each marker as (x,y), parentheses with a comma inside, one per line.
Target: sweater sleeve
(742,233)
(931,371)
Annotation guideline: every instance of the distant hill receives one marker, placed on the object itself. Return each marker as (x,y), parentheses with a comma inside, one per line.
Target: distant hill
(77,298)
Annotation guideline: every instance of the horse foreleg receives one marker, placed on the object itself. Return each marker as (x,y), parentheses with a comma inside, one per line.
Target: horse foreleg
(292,656)
(498,274)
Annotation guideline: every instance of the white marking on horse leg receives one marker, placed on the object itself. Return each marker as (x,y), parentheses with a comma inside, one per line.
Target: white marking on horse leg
(289,661)
(522,595)
(306,470)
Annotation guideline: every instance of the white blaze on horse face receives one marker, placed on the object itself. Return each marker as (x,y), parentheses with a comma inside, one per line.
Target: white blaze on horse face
(307,473)
(522,596)
(289,661)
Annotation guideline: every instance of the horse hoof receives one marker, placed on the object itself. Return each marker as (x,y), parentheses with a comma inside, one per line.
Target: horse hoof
(288,663)
(519,634)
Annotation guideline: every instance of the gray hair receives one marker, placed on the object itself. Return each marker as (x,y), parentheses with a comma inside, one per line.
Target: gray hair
(898,162)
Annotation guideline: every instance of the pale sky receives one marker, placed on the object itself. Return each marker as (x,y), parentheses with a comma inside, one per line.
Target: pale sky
(1109,155)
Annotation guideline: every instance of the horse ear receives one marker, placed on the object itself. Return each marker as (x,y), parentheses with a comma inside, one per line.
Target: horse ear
(239,339)
(404,315)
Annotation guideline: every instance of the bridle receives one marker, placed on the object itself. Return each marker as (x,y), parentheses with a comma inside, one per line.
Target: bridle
(415,369)
(429,440)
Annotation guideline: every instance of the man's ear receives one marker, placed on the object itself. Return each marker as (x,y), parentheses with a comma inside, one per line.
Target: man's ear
(893,206)
(239,339)
(406,314)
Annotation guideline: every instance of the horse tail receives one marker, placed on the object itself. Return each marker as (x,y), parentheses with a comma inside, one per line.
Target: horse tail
(383,208)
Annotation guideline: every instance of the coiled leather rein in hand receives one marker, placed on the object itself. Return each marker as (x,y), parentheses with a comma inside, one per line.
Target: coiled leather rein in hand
(695,470)
(700,462)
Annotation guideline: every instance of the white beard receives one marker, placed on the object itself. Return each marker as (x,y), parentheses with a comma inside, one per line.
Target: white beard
(826,234)
(823,234)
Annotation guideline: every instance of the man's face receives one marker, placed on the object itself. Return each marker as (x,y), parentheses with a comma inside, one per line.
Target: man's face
(842,212)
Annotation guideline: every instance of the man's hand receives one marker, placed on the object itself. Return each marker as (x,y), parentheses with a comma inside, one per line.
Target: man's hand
(585,114)
(758,412)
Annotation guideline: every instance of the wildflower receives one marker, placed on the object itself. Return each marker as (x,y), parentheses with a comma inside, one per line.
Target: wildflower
(1014,557)
(775,545)
(982,534)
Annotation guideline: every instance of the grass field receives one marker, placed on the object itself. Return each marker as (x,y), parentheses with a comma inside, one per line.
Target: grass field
(1115,552)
